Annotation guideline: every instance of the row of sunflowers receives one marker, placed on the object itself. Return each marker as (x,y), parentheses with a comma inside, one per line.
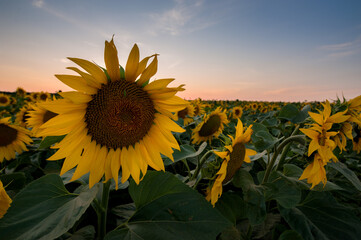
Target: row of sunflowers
(123,157)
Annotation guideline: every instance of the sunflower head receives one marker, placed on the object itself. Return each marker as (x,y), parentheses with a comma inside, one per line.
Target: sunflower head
(22,116)
(12,139)
(115,118)
(37,116)
(20,92)
(233,158)
(237,112)
(211,126)
(43,96)
(4,100)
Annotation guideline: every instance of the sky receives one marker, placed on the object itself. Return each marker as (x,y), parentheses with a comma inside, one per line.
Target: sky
(259,50)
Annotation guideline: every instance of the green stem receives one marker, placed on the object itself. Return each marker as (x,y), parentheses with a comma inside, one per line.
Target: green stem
(201,162)
(187,166)
(102,211)
(298,138)
(286,149)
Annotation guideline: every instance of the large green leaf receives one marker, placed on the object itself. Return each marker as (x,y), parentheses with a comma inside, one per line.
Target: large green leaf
(253,196)
(344,170)
(169,209)
(320,217)
(44,210)
(186,151)
(50,140)
(13,181)
(286,194)
(261,137)
(291,113)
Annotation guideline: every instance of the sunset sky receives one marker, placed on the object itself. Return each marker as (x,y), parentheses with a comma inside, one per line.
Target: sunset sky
(279,50)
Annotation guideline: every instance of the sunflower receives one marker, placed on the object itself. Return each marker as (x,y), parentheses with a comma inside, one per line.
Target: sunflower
(5,200)
(22,116)
(34,95)
(315,172)
(12,139)
(43,96)
(20,92)
(114,118)
(198,107)
(4,100)
(236,154)
(354,109)
(186,114)
(237,112)
(37,116)
(320,134)
(211,126)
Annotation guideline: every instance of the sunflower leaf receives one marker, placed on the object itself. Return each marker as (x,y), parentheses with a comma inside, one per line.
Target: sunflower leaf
(44,209)
(321,217)
(50,140)
(169,209)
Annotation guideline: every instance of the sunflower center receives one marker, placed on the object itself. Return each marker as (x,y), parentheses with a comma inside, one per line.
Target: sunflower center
(236,158)
(183,113)
(211,126)
(48,115)
(8,135)
(43,97)
(237,112)
(119,115)
(3,100)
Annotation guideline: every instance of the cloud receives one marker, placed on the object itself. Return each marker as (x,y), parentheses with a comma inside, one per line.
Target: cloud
(182,18)
(344,49)
(38,3)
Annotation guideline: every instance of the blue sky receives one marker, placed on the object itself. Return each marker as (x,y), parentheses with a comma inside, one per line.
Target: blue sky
(281,50)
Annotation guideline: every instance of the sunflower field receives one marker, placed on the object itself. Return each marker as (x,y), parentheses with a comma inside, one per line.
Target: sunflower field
(123,157)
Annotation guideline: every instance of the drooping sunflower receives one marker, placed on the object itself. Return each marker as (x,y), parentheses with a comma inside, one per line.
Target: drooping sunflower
(236,154)
(5,200)
(186,114)
(38,115)
(211,126)
(12,139)
(237,112)
(4,100)
(315,172)
(115,119)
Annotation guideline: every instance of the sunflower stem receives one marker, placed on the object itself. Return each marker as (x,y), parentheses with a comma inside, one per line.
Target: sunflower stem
(201,162)
(298,138)
(285,150)
(102,211)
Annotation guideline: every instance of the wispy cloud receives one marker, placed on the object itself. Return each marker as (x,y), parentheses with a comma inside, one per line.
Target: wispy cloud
(182,18)
(75,22)
(344,49)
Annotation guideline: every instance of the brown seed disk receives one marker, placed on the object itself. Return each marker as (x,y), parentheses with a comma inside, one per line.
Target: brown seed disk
(3,100)
(183,113)
(237,112)
(7,135)
(211,126)
(120,114)
(236,160)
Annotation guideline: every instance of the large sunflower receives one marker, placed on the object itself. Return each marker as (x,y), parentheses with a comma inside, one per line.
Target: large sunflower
(115,118)
(4,100)
(12,139)
(5,200)
(211,126)
(236,154)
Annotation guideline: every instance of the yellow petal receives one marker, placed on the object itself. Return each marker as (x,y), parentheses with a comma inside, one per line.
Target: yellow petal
(132,64)
(148,72)
(111,60)
(76,97)
(91,68)
(89,79)
(77,83)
